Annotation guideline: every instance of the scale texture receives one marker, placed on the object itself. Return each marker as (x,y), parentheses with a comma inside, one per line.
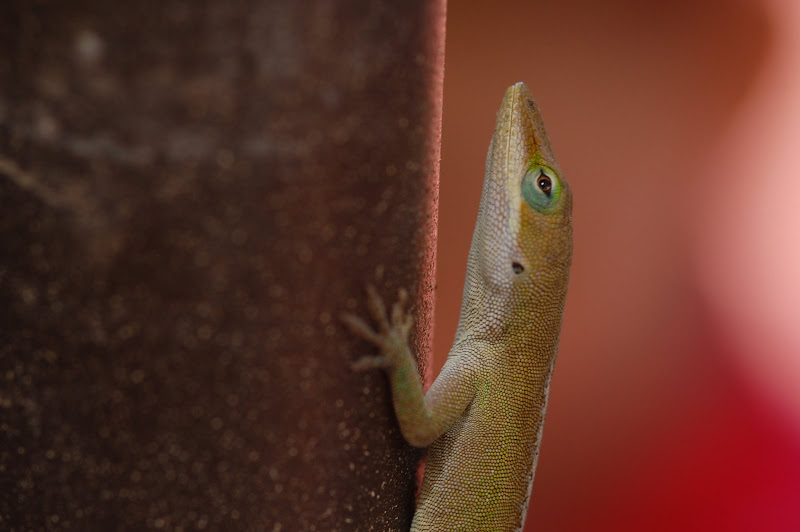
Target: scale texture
(483,416)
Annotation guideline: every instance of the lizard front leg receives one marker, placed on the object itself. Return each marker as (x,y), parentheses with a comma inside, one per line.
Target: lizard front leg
(422,417)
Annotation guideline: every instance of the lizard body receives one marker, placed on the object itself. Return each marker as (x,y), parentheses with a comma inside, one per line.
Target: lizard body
(482,417)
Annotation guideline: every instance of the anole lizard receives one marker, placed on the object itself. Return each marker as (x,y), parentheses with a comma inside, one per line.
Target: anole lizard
(483,415)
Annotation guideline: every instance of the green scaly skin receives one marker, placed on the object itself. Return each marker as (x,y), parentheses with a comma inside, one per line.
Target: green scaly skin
(482,418)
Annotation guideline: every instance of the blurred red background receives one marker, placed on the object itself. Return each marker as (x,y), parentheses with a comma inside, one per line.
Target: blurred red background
(675,403)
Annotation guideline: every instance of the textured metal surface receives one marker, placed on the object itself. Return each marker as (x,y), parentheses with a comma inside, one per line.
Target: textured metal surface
(190,193)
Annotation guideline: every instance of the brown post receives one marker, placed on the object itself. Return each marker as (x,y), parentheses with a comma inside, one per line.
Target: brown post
(190,195)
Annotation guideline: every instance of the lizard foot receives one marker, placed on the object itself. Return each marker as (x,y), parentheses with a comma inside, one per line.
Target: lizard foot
(391,334)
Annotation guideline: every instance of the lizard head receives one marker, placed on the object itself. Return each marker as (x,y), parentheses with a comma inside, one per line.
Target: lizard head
(522,246)
(539,199)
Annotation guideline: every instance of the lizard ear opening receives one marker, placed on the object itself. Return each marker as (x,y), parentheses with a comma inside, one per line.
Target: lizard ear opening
(517,267)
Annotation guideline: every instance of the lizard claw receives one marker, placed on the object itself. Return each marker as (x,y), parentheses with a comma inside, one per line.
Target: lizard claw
(389,334)
(360,328)
(367,363)
(378,309)
(399,316)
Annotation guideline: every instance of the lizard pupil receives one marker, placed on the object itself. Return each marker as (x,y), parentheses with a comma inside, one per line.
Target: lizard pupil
(545,185)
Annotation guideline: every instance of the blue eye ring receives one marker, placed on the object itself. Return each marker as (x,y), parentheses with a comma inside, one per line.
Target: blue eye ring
(541,188)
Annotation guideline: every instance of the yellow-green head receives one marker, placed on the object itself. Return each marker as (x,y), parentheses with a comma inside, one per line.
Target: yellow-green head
(522,247)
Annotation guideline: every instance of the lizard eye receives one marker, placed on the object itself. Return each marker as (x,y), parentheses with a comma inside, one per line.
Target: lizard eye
(517,267)
(545,185)
(541,188)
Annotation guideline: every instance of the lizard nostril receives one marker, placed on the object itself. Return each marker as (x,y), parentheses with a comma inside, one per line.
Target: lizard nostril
(518,268)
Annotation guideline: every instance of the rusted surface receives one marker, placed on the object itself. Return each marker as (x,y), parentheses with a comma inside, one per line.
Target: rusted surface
(190,194)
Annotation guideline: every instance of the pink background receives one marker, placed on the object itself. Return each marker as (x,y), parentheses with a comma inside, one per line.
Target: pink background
(676,399)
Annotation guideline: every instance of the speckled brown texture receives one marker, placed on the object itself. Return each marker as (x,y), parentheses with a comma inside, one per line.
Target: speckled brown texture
(190,194)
